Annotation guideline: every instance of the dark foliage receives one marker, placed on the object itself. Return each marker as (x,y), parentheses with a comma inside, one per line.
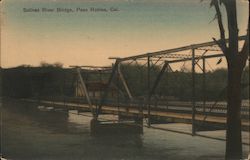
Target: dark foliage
(26,81)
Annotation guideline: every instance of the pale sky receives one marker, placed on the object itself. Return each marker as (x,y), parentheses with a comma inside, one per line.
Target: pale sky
(89,38)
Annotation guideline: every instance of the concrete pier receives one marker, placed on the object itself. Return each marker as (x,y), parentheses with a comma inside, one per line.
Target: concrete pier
(108,127)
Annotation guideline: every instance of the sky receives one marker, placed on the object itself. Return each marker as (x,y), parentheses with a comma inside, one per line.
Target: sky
(90,38)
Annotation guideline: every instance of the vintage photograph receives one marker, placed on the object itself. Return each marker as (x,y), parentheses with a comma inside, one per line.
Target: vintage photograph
(124,80)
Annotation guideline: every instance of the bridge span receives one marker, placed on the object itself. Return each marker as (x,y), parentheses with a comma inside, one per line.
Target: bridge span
(171,114)
(157,68)
(145,94)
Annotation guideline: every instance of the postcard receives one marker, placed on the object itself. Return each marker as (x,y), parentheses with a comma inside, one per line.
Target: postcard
(124,79)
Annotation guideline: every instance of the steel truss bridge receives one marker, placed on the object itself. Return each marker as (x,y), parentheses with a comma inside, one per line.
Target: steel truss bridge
(148,105)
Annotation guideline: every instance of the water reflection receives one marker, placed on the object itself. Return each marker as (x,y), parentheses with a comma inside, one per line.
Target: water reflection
(77,123)
(29,133)
(80,123)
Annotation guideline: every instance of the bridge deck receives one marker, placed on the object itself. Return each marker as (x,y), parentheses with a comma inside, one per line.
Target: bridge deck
(134,111)
(198,117)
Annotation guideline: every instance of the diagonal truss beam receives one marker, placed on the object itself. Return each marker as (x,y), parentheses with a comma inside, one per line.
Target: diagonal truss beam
(84,90)
(124,82)
(159,76)
(105,94)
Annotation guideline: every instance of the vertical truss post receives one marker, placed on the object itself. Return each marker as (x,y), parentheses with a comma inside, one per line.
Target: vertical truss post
(118,94)
(167,69)
(85,91)
(193,91)
(77,91)
(148,90)
(63,90)
(100,75)
(105,94)
(141,102)
(204,83)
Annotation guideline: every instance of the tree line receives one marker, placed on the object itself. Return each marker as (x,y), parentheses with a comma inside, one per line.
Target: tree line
(54,80)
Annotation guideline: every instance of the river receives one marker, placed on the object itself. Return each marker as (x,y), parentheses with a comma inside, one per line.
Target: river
(28,133)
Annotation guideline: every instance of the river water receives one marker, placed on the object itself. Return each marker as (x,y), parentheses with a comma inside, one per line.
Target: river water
(28,133)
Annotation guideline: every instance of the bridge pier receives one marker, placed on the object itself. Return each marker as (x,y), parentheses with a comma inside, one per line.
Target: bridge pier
(94,123)
(132,126)
(124,117)
(139,122)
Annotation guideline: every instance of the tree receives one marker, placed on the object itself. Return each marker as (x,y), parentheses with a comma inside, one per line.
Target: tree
(236,61)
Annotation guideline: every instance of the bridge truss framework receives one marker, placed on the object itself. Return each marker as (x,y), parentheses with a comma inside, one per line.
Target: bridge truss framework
(198,54)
